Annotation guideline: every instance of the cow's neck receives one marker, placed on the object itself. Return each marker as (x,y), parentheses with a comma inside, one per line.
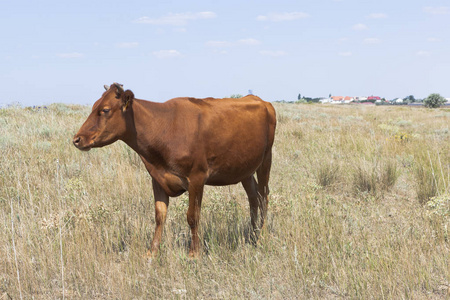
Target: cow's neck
(144,129)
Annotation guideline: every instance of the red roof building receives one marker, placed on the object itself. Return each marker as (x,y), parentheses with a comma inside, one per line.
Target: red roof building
(373,98)
(337,98)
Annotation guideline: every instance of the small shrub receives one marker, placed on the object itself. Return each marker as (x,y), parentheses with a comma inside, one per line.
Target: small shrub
(46,132)
(440,205)
(7,141)
(443,131)
(43,145)
(401,137)
(434,101)
(389,128)
(403,123)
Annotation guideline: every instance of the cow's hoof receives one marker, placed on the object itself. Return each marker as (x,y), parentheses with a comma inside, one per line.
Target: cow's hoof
(193,255)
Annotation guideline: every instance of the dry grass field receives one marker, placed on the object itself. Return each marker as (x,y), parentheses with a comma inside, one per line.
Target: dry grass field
(359,209)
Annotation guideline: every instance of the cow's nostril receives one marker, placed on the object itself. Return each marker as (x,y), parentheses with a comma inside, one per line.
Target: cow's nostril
(76,140)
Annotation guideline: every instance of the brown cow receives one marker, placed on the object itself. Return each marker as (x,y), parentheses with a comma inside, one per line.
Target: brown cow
(186,143)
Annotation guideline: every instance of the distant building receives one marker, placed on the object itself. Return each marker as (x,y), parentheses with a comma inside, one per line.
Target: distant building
(373,98)
(348,99)
(325,100)
(337,98)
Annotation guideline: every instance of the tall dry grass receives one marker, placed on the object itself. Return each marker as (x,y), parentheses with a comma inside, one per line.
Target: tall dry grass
(359,208)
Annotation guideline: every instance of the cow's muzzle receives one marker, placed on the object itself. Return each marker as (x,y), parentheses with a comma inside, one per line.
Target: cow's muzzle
(80,143)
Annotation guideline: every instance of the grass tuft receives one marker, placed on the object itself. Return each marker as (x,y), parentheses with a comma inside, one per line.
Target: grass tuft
(327,173)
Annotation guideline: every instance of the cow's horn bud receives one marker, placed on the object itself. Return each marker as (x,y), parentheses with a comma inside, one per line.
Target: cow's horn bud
(119,87)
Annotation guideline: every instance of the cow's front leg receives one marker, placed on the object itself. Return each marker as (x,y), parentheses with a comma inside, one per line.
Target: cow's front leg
(193,216)
(161,204)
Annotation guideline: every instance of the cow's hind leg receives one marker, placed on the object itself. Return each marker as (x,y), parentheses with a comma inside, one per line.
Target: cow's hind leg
(251,188)
(193,215)
(161,205)
(263,174)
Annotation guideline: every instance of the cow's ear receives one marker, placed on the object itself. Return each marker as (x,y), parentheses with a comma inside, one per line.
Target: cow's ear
(127,99)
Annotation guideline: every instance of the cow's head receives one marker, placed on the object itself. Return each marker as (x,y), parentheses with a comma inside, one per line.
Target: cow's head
(108,120)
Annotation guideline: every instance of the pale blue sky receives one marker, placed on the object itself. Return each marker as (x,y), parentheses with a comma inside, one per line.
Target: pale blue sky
(64,51)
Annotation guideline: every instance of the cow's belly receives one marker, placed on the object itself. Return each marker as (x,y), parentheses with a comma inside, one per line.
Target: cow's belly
(225,180)
(232,171)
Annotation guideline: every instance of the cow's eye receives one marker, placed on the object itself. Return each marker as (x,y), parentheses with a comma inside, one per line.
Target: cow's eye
(106,110)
